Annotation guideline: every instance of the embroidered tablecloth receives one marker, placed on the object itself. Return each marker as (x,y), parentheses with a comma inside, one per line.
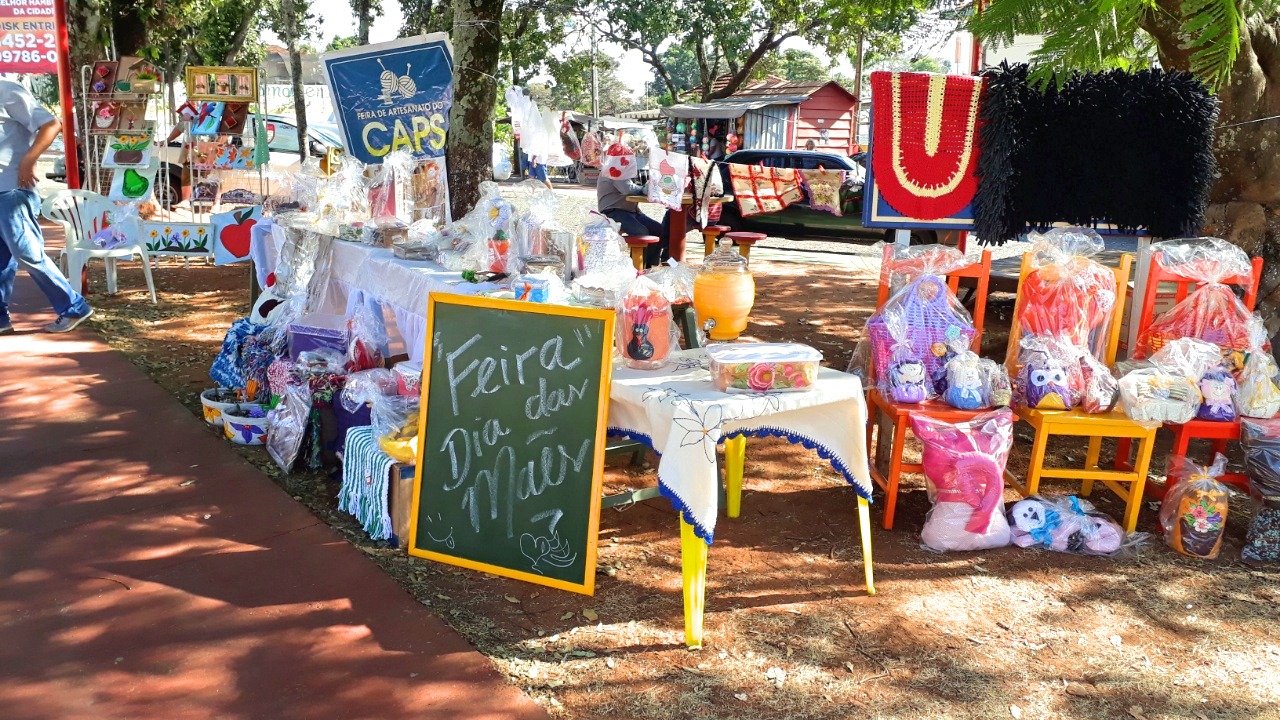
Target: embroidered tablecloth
(678,412)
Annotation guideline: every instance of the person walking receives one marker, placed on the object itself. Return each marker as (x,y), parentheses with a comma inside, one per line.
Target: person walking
(27,129)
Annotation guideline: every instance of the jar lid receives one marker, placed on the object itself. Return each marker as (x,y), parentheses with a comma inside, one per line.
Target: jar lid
(726,259)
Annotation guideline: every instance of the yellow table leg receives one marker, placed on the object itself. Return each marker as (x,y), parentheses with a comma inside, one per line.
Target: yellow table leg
(864,525)
(735,457)
(693,561)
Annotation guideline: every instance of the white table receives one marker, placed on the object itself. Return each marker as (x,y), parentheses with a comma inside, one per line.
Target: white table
(676,411)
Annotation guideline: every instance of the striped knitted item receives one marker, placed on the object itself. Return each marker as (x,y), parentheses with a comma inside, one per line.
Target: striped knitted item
(366,475)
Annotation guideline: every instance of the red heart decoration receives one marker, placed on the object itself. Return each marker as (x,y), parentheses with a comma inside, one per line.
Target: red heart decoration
(624,162)
(615,172)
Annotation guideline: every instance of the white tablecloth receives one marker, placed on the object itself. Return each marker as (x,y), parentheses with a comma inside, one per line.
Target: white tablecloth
(677,412)
(362,273)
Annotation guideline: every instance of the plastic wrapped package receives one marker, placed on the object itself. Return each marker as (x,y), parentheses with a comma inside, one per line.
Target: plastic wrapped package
(1101,389)
(763,367)
(905,377)
(996,378)
(395,424)
(925,316)
(1066,293)
(964,469)
(1193,513)
(344,199)
(620,162)
(125,227)
(408,377)
(1212,312)
(289,426)
(908,263)
(501,163)
(365,386)
(1168,391)
(1217,395)
(1065,524)
(592,149)
(602,243)
(391,187)
(968,386)
(1261,440)
(643,335)
(1257,395)
(367,338)
(675,280)
(1049,374)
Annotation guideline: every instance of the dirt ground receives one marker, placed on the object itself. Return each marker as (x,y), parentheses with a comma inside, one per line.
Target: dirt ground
(790,631)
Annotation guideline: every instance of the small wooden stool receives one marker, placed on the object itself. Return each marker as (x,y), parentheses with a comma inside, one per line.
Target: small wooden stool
(709,235)
(638,243)
(745,240)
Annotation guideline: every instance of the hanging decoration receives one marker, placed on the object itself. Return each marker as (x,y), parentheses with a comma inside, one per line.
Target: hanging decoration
(761,189)
(824,189)
(924,135)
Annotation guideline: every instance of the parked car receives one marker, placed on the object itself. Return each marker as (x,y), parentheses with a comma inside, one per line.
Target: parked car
(282,142)
(799,219)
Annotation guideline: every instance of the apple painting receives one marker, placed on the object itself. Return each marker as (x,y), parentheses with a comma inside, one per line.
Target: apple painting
(231,234)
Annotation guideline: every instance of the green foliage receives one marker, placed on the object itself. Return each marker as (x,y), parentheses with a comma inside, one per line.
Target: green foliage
(1105,34)
(530,29)
(682,65)
(793,64)
(425,16)
(572,87)
(343,42)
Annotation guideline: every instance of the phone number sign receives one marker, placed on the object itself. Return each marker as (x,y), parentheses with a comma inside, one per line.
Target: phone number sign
(27,37)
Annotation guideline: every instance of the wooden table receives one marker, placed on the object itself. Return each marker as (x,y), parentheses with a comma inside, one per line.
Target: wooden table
(678,227)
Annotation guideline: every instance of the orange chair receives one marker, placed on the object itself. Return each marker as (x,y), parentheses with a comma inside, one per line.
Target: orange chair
(892,417)
(1077,423)
(1218,433)
(637,244)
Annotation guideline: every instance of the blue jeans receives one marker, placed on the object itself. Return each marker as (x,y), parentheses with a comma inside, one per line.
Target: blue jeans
(24,243)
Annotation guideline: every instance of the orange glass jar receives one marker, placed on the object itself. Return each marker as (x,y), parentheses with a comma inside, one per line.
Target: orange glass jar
(723,293)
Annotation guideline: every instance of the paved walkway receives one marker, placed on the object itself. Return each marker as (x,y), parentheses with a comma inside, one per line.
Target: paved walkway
(147,571)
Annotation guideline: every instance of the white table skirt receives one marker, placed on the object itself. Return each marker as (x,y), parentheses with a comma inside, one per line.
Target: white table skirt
(677,412)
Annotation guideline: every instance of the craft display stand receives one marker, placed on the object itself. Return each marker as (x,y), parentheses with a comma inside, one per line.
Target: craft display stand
(201,209)
(98,139)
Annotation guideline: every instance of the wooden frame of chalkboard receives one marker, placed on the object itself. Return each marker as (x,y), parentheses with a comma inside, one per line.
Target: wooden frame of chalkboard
(515,396)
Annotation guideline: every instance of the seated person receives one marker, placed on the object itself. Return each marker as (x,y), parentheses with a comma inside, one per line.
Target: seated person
(611,201)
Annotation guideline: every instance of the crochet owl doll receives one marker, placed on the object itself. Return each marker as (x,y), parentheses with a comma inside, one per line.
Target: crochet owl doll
(1046,384)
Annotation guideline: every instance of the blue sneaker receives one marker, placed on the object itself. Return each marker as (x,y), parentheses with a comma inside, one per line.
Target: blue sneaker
(67,324)
(6,328)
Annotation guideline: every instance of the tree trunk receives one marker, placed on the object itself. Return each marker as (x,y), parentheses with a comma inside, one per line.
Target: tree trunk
(477,33)
(295,76)
(859,59)
(242,33)
(364,18)
(768,44)
(1245,201)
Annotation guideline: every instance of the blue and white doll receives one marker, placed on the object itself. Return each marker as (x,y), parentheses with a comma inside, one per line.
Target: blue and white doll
(965,389)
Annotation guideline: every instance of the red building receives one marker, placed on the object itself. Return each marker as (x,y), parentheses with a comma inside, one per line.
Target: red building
(785,115)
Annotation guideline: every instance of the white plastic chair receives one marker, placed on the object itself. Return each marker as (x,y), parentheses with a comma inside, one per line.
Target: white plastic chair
(82,214)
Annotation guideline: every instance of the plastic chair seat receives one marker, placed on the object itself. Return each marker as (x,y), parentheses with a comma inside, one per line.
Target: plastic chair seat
(82,214)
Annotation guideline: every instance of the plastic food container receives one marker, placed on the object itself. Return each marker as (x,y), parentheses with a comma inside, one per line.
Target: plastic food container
(763,367)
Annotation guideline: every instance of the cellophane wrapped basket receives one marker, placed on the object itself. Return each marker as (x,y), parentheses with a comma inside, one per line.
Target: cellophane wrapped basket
(1212,312)
(1067,294)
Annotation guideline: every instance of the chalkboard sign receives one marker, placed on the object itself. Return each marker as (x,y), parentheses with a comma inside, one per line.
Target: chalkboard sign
(511,451)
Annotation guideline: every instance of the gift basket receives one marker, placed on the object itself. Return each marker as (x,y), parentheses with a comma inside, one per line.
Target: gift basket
(1049,373)
(644,326)
(1212,312)
(1168,390)
(923,318)
(1064,524)
(1257,395)
(964,468)
(1261,440)
(1066,293)
(1193,513)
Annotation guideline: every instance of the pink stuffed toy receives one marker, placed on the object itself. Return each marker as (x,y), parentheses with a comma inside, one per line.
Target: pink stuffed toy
(964,465)
(1066,524)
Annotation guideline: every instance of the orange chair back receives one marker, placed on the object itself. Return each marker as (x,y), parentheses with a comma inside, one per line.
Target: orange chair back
(1158,273)
(1113,328)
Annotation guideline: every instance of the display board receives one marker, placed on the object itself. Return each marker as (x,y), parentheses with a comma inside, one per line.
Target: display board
(393,95)
(511,452)
(27,31)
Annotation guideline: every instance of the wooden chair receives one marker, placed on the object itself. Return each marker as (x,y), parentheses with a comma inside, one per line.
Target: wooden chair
(638,244)
(710,235)
(1114,424)
(745,240)
(1218,433)
(893,418)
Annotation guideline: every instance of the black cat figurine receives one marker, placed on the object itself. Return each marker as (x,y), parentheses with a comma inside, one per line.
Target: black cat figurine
(639,347)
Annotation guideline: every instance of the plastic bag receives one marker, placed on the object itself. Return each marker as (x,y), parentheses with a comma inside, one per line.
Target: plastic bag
(968,387)
(620,162)
(996,378)
(1152,396)
(675,280)
(905,378)
(1261,440)
(501,163)
(1064,524)
(1100,389)
(408,377)
(908,263)
(1257,395)
(365,387)
(1049,374)
(367,333)
(391,188)
(395,424)
(644,326)
(928,319)
(1193,513)
(125,227)
(668,174)
(1068,294)
(289,426)
(592,149)
(1217,395)
(1212,312)
(964,467)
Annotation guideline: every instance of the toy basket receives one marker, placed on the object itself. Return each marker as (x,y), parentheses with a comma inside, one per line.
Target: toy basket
(934,321)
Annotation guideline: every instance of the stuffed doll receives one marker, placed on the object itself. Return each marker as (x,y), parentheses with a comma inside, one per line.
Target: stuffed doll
(1218,389)
(1258,396)
(1064,525)
(964,466)
(907,381)
(1045,384)
(964,383)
